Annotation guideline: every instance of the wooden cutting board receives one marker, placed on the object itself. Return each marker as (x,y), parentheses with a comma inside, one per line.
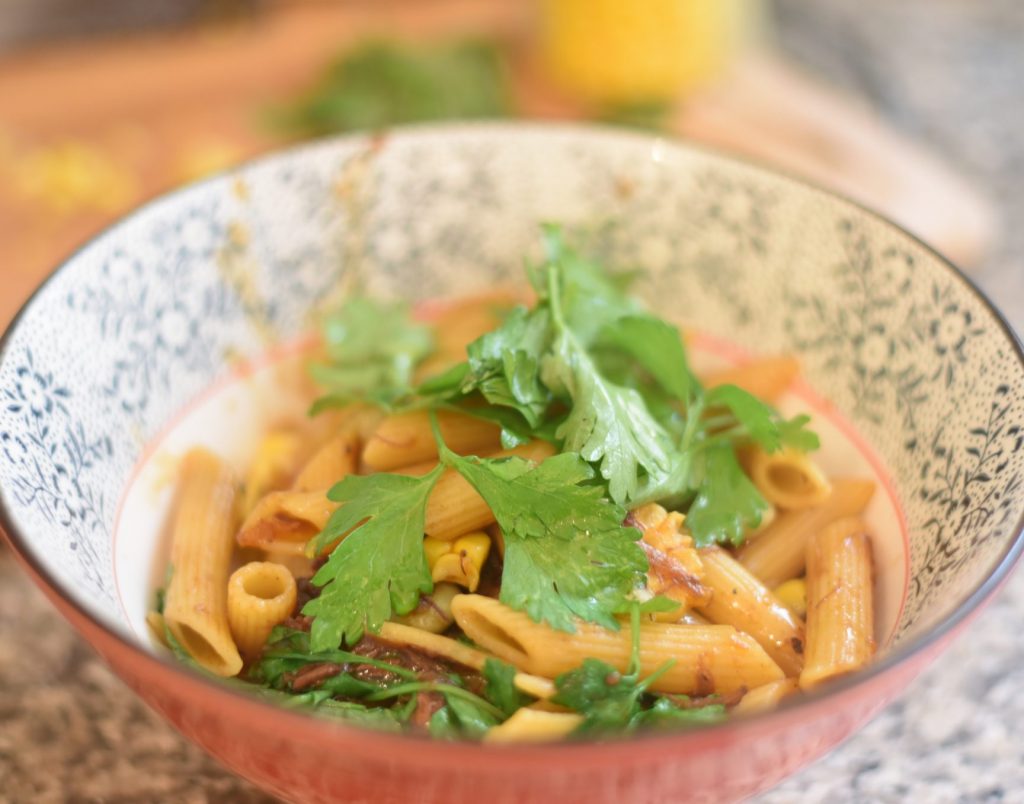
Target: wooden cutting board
(90,129)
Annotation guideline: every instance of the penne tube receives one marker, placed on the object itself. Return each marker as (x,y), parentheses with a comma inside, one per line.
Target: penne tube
(260,596)
(278,456)
(534,726)
(706,658)
(780,552)
(766,697)
(286,516)
(454,651)
(742,601)
(787,478)
(334,461)
(462,323)
(674,568)
(455,508)
(434,611)
(840,609)
(201,542)
(765,378)
(406,438)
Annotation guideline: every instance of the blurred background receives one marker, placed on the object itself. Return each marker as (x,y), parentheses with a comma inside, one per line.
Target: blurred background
(909,106)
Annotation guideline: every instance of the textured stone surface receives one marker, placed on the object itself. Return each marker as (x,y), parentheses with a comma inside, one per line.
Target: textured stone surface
(948,71)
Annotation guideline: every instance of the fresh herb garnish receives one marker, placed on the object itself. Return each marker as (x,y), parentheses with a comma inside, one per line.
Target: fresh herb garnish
(567,553)
(372,348)
(379,567)
(614,702)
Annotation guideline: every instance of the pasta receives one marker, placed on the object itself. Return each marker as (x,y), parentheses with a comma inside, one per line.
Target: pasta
(780,552)
(840,611)
(195,611)
(788,478)
(260,595)
(739,599)
(525,526)
(708,659)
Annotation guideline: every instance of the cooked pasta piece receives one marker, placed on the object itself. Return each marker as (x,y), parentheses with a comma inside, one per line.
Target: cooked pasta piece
(195,608)
(405,438)
(787,478)
(706,658)
(840,608)
(278,456)
(462,323)
(286,516)
(455,508)
(528,725)
(742,601)
(334,461)
(454,651)
(260,595)
(765,378)
(460,561)
(765,697)
(780,552)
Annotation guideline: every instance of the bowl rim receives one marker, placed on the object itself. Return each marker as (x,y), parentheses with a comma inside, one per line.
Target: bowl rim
(898,655)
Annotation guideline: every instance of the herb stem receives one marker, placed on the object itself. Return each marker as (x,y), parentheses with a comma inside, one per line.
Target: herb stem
(444,689)
(344,657)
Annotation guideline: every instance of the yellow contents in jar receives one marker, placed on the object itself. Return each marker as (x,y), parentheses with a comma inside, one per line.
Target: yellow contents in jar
(613,52)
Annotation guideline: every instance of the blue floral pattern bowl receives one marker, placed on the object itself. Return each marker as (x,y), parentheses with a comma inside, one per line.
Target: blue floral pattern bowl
(138,322)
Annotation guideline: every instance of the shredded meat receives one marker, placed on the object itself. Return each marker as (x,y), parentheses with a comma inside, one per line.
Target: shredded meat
(312,674)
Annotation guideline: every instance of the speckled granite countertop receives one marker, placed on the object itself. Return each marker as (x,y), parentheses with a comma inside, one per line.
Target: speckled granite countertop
(950,72)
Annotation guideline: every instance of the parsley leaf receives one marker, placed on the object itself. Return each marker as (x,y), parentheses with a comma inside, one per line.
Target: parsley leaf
(500,686)
(373,348)
(609,424)
(794,433)
(504,364)
(658,347)
(757,418)
(665,714)
(567,554)
(379,567)
(727,503)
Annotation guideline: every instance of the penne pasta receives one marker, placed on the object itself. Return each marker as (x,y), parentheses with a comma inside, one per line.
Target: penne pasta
(674,568)
(434,611)
(742,601)
(840,608)
(405,438)
(787,478)
(334,461)
(201,543)
(455,508)
(705,658)
(454,651)
(286,516)
(534,726)
(780,552)
(260,595)
(765,378)
(766,697)
(277,458)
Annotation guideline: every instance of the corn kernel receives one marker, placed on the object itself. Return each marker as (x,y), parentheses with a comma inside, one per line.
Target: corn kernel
(793,595)
(460,561)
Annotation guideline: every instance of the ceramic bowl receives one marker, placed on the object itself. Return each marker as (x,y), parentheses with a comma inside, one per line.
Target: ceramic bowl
(201,289)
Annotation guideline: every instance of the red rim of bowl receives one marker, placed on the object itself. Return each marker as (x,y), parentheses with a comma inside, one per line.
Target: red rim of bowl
(894,657)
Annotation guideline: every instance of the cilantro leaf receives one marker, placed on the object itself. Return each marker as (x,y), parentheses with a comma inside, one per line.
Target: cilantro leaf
(757,418)
(665,714)
(500,686)
(504,365)
(609,425)
(658,347)
(794,433)
(373,348)
(379,567)
(567,554)
(727,502)
(606,699)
